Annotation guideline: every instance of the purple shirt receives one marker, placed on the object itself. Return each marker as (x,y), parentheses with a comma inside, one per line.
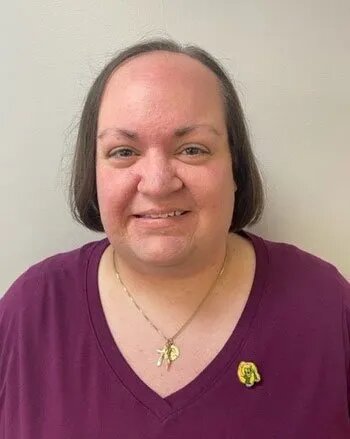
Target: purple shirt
(62,375)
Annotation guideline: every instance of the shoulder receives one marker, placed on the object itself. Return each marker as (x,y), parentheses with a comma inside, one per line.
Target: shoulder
(289,261)
(287,256)
(40,277)
(302,278)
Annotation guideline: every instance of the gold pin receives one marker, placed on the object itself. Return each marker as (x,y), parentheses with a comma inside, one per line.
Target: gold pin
(248,373)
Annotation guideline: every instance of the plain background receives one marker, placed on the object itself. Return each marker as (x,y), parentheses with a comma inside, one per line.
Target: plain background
(291,66)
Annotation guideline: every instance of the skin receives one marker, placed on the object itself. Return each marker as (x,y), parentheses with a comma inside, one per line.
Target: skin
(151,96)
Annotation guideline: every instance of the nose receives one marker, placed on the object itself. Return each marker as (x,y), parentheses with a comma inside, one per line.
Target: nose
(158,176)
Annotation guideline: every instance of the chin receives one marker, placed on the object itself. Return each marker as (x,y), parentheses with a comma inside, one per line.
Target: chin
(162,250)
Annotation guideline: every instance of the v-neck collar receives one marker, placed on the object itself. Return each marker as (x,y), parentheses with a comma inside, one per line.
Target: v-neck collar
(164,407)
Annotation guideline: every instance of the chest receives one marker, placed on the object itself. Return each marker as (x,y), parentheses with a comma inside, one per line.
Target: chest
(144,349)
(144,352)
(198,344)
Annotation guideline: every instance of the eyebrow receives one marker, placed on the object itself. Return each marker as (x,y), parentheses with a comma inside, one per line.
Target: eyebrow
(179,132)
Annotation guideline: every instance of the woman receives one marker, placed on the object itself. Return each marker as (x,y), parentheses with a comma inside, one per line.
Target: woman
(180,323)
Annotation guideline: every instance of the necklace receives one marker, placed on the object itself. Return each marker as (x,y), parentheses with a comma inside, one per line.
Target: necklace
(170,352)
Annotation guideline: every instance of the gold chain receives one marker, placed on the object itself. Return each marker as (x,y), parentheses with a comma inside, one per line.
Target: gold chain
(170,352)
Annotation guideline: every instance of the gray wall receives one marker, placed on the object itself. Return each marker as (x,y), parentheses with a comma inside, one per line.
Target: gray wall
(291,65)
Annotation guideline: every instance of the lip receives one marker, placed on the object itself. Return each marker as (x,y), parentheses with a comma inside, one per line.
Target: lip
(158,212)
(161,222)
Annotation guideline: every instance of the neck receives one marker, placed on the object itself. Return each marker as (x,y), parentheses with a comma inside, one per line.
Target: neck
(181,288)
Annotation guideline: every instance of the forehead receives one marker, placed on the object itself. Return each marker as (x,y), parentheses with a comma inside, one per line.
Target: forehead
(161,88)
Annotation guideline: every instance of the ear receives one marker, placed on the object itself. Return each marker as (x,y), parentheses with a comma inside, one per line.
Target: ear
(234,186)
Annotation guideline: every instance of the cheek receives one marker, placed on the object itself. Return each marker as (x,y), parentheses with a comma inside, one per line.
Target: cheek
(113,191)
(215,188)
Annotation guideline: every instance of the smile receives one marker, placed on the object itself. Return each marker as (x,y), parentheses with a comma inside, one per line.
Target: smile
(163,215)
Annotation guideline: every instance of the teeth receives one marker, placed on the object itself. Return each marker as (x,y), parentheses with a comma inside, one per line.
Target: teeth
(165,215)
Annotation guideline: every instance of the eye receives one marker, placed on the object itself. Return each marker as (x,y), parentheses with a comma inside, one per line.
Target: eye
(122,153)
(194,151)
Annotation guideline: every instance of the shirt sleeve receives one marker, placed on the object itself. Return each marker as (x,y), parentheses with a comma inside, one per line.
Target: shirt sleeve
(13,303)
(344,287)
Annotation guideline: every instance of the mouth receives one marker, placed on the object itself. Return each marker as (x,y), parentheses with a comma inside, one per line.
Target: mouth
(174,215)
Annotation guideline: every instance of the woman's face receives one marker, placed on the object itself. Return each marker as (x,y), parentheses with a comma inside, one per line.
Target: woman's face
(162,146)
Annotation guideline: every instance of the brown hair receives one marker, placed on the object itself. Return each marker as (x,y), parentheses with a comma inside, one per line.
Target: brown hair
(249,197)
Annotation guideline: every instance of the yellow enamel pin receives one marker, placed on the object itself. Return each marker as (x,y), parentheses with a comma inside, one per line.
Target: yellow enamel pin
(248,373)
